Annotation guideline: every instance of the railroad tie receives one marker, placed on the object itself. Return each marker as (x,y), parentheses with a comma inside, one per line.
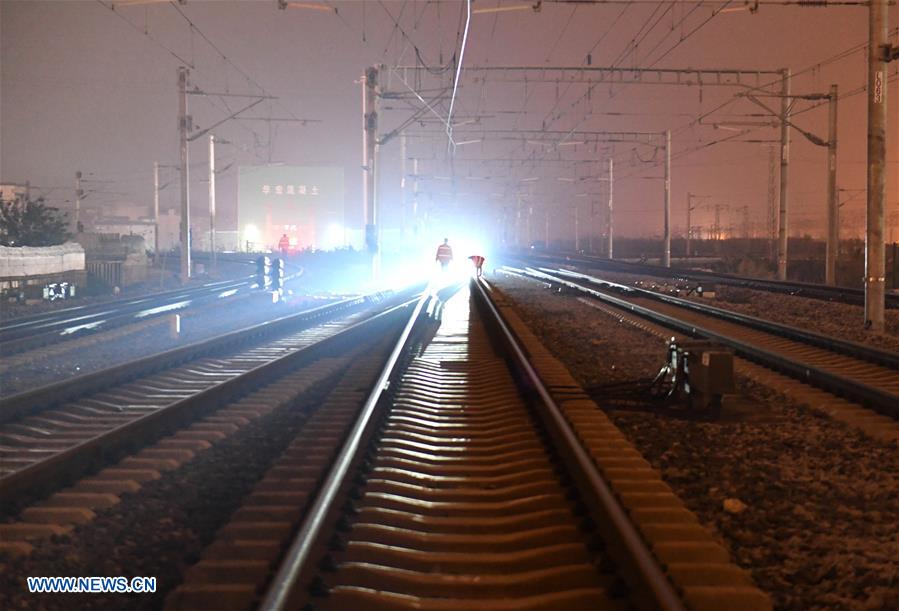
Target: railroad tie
(695,562)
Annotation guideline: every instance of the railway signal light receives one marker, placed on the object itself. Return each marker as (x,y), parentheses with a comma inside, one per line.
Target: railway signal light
(277,274)
(263,272)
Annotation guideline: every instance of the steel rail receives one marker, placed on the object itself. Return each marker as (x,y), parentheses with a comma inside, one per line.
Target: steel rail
(16,328)
(283,588)
(45,397)
(651,579)
(30,332)
(883,402)
(72,462)
(810,290)
(849,348)
(108,321)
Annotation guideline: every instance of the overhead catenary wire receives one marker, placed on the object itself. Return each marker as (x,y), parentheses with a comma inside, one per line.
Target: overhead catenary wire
(225,58)
(189,63)
(449,116)
(146,33)
(561,33)
(635,41)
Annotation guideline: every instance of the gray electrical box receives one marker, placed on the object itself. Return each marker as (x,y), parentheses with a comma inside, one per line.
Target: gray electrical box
(704,372)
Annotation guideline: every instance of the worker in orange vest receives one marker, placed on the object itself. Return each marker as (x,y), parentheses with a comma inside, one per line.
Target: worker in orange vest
(478,261)
(284,244)
(444,254)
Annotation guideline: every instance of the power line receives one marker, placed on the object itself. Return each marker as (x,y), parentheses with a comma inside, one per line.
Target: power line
(588,55)
(640,36)
(449,116)
(561,34)
(240,70)
(683,39)
(673,28)
(748,4)
(144,33)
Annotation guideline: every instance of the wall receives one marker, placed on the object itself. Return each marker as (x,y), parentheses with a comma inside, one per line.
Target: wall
(22,261)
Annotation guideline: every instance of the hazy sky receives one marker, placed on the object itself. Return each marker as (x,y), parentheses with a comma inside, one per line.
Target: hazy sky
(88,88)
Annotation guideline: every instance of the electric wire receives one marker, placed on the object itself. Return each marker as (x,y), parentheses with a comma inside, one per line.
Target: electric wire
(144,33)
(449,116)
(225,58)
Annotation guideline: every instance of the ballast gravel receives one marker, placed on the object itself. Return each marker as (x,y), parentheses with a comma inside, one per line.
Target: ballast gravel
(810,506)
(162,529)
(79,356)
(840,320)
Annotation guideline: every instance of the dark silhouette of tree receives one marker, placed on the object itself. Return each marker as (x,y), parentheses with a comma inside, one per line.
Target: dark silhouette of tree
(26,222)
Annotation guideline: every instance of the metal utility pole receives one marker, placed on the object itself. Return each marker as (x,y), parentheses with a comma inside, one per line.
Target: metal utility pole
(184,128)
(364,157)
(546,228)
(370,123)
(610,251)
(716,228)
(744,230)
(772,204)
(717,222)
(415,193)
(689,224)
(577,237)
(79,193)
(832,232)
(212,197)
(666,254)
(403,187)
(785,105)
(833,205)
(156,209)
(518,224)
(690,209)
(875,265)
(528,227)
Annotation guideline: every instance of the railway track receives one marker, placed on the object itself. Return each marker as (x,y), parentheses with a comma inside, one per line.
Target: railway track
(823,292)
(31,332)
(53,434)
(849,370)
(462,481)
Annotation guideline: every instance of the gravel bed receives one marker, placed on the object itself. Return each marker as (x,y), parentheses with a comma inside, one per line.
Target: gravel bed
(812,505)
(79,356)
(838,320)
(162,529)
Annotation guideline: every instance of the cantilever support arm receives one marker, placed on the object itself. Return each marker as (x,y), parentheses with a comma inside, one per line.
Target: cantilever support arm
(808,135)
(203,132)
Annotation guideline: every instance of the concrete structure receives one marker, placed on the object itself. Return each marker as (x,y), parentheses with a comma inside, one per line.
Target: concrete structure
(144,228)
(22,261)
(26,270)
(115,259)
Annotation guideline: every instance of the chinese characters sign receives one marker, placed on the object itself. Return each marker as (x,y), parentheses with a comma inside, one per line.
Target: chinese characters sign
(311,190)
(305,203)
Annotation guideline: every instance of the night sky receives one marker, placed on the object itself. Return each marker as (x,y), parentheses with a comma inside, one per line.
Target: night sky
(88,88)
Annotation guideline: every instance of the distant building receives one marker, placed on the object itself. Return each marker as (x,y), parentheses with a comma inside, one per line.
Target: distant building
(9,190)
(144,228)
